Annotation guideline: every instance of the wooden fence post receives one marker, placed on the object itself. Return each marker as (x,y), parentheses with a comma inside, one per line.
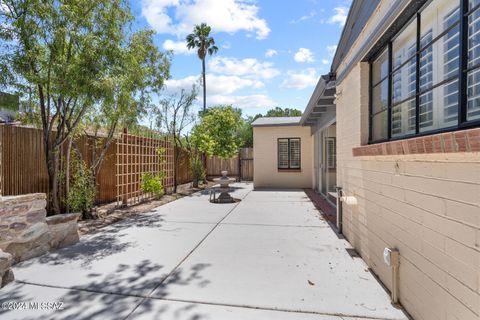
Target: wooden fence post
(239,165)
(125,174)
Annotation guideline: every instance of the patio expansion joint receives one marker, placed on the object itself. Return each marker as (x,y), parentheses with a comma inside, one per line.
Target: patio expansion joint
(79,289)
(273,225)
(190,222)
(336,314)
(185,258)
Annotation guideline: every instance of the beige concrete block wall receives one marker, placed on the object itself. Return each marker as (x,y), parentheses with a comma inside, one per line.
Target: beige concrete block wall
(427,206)
(266,174)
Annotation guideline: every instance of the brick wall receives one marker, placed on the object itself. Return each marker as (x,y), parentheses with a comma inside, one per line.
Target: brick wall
(427,205)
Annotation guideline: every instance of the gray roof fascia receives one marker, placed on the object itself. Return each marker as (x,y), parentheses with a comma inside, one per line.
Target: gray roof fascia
(358,15)
(320,88)
(387,20)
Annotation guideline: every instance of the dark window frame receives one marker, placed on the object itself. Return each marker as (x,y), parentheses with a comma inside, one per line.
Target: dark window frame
(289,168)
(463,70)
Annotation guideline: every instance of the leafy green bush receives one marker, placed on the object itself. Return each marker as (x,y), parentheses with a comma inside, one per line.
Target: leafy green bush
(198,172)
(152,183)
(81,195)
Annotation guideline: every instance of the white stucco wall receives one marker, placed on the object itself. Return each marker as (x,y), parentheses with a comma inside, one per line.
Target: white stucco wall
(266,173)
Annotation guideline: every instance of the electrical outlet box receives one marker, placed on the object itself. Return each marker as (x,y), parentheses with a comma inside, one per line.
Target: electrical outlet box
(391,257)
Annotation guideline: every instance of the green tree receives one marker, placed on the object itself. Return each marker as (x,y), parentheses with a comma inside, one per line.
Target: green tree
(63,50)
(200,39)
(138,70)
(217,132)
(283,112)
(246,131)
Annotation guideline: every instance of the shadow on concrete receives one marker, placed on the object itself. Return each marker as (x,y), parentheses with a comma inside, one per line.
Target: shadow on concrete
(99,245)
(101,300)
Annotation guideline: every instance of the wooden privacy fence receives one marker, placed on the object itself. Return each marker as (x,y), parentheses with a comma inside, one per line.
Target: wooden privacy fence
(23,169)
(240,166)
(184,174)
(136,156)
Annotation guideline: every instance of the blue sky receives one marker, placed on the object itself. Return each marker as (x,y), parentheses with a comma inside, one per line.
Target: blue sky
(271,52)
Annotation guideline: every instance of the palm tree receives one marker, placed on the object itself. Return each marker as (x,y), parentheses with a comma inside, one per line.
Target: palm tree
(200,39)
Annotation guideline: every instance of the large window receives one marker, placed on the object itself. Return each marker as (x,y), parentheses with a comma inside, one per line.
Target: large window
(289,153)
(421,83)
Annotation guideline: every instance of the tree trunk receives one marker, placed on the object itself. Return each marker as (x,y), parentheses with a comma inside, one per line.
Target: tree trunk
(175,168)
(52,169)
(204,86)
(88,214)
(204,161)
(67,169)
(204,157)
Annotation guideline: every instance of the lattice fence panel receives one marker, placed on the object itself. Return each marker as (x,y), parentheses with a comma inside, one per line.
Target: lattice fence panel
(137,155)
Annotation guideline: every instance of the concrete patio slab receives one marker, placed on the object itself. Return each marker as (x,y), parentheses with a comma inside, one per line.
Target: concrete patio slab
(286,268)
(159,310)
(204,212)
(269,256)
(74,304)
(267,195)
(129,257)
(292,213)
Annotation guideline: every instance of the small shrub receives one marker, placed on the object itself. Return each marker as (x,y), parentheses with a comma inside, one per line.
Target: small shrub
(152,183)
(198,172)
(81,195)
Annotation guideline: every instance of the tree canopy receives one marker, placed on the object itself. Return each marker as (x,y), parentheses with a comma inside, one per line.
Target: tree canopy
(201,40)
(246,131)
(72,57)
(217,132)
(283,112)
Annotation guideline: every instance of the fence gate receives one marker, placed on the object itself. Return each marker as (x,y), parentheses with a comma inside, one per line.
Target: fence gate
(246,164)
(137,155)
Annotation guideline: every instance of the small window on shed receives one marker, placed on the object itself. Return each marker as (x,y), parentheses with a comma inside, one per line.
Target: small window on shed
(289,153)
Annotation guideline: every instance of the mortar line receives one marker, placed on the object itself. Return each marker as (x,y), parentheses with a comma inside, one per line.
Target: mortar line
(185,258)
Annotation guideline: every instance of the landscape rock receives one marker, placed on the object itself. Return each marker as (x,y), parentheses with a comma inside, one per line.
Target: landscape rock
(27,232)
(6,273)
(63,229)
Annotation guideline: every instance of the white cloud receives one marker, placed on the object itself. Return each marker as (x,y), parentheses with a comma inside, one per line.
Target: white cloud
(340,16)
(331,50)
(248,68)
(216,84)
(179,47)
(309,16)
(175,85)
(270,53)
(300,80)
(179,16)
(226,45)
(303,55)
(325,61)
(250,101)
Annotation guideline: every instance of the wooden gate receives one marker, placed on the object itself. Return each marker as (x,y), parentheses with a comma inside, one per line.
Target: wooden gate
(240,166)
(246,164)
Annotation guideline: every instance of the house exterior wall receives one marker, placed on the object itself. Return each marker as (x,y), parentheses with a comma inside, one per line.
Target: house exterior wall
(425,205)
(266,173)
